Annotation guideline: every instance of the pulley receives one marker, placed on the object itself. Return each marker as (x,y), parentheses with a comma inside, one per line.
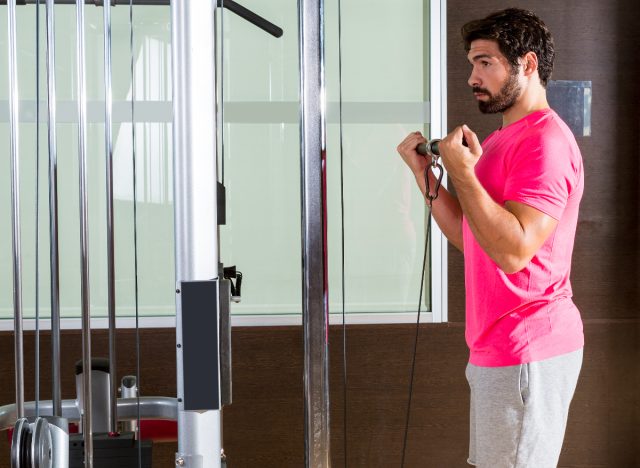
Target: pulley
(41,444)
(31,444)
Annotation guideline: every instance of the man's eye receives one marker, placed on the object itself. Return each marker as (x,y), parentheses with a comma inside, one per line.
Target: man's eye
(485,64)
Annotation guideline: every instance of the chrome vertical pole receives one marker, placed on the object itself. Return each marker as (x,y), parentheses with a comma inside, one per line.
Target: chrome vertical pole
(111,286)
(315,309)
(15,208)
(58,426)
(84,239)
(37,221)
(54,260)
(196,237)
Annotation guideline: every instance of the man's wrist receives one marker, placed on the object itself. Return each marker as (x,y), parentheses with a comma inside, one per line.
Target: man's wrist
(463,178)
(419,172)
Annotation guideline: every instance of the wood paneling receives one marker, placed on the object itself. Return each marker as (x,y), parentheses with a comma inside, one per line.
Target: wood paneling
(264,425)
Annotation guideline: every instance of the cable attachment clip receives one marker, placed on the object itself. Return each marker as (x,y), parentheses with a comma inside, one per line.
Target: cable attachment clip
(436,168)
(230,273)
(431,149)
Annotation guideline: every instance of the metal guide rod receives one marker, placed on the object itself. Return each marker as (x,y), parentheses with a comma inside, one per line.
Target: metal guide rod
(84,239)
(111,285)
(37,220)
(54,260)
(195,207)
(314,249)
(15,209)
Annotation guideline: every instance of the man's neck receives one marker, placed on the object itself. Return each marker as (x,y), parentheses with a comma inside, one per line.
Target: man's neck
(532,99)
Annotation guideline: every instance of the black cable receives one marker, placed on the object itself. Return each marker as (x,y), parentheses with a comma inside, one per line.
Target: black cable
(344,321)
(222,89)
(135,234)
(417,333)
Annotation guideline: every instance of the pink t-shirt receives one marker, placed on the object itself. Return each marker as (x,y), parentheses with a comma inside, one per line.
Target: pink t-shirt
(529,315)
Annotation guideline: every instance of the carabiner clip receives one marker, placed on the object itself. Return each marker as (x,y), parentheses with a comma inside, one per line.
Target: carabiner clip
(438,172)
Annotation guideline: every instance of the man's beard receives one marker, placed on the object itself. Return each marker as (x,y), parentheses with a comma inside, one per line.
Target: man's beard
(502,101)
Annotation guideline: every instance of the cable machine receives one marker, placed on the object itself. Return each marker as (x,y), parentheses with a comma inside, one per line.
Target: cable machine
(204,286)
(40,429)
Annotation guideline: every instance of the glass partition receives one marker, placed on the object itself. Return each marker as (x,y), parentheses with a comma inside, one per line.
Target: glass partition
(384,85)
(384,216)
(259,79)
(153,151)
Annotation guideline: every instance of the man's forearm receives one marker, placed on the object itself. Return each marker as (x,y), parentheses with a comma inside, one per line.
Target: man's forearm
(497,230)
(446,211)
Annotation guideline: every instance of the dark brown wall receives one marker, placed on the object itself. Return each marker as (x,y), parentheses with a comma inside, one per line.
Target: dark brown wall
(595,40)
(264,425)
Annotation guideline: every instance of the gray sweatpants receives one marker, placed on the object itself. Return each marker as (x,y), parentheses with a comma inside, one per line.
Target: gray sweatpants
(519,413)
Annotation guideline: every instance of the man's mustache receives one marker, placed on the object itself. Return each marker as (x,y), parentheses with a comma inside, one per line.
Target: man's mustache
(481,90)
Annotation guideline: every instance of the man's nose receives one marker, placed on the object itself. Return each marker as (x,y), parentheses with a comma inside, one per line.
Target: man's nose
(473,80)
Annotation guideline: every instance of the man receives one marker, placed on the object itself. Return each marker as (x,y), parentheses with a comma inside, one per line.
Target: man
(514,218)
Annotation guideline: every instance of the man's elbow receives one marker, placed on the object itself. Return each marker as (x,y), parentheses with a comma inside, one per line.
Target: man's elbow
(511,264)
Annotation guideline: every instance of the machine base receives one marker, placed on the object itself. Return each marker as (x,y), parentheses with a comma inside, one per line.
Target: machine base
(108,452)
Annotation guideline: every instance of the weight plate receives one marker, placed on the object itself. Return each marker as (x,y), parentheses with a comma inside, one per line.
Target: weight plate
(20,443)
(41,445)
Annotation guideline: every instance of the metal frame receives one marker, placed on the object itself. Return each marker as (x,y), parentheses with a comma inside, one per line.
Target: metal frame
(150,408)
(195,190)
(54,259)
(315,296)
(438,99)
(193,40)
(87,422)
(14,110)
(111,275)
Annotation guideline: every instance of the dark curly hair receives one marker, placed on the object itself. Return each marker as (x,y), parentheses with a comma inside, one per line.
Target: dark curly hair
(517,32)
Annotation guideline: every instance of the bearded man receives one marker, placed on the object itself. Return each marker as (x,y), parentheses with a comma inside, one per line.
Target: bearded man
(514,217)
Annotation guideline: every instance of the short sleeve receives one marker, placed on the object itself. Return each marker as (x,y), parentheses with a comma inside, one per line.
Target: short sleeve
(541,173)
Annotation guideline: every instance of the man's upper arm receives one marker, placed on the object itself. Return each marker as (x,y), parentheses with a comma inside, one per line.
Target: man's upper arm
(536,227)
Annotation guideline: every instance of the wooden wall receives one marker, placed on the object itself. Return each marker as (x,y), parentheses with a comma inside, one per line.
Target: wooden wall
(595,40)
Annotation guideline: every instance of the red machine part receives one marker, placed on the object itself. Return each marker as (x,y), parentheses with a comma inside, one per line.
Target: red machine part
(156,430)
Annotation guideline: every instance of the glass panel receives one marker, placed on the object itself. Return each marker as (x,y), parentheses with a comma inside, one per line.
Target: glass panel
(152,60)
(384,215)
(385,95)
(26,58)
(261,167)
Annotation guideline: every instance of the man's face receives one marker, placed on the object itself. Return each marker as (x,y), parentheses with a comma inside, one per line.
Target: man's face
(494,82)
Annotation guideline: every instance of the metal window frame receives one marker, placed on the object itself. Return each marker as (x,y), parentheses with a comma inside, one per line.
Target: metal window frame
(438,99)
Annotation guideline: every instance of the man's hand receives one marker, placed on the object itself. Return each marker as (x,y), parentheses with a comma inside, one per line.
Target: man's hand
(407,149)
(446,211)
(460,160)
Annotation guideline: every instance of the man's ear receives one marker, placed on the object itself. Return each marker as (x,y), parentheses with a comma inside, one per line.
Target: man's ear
(530,63)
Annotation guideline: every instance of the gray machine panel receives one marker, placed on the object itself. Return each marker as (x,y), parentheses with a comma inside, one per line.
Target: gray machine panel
(200,349)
